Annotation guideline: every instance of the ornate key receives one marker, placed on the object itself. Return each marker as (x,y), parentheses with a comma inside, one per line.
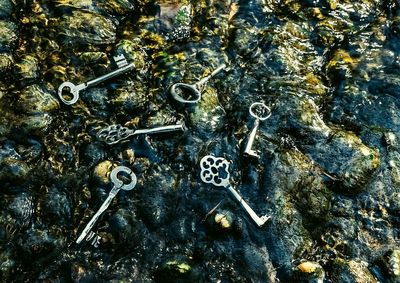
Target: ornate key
(214,170)
(123,67)
(118,185)
(193,89)
(261,112)
(116,133)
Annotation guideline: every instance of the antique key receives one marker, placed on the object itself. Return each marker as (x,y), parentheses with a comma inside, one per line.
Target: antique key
(123,67)
(214,170)
(193,89)
(261,112)
(116,133)
(118,185)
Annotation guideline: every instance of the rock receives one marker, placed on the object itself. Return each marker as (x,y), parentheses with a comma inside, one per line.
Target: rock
(8,35)
(87,28)
(36,99)
(6,9)
(352,271)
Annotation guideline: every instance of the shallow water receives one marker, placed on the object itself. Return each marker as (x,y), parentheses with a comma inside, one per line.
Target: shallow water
(329,166)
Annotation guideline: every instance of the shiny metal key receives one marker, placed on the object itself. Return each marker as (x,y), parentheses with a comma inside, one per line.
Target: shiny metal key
(74,90)
(118,185)
(193,89)
(215,170)
(116,133)
(261,112)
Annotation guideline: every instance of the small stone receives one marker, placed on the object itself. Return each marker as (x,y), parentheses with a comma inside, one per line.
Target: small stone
(102,171)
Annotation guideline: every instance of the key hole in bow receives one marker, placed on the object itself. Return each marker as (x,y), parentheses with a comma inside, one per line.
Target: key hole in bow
(186,92)
(124,177)
(220,174)
(66,93)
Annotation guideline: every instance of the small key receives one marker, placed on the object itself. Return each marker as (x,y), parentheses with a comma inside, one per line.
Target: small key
(193,89)
(214,170)
(123,67)
(118,185)
(116,133)
(261,112)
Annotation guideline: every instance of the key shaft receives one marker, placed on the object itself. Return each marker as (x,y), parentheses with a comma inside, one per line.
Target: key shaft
(260,221)
(102,208)
(107,76)
(207,78)
(250,142)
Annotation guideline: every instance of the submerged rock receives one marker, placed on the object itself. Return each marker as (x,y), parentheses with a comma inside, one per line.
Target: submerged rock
(8,35)
(86,28)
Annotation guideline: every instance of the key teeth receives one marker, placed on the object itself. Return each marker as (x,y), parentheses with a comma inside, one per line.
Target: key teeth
(263,219)
(120,60)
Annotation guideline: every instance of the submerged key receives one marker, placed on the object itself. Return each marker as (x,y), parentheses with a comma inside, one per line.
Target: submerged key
(116,133)
(73,90)
(215,171)
(118,185)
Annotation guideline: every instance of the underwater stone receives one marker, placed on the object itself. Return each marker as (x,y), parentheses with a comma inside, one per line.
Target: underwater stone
(6,8)
(28,67)
(102,172)
(35,98)
(6,61)
(36,122)
(8,35)
(352,271)
(119,7)
(58,207)
(87,28)
(390,263)
(310,272)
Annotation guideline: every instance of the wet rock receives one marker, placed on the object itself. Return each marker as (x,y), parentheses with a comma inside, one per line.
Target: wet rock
(23,207)
(119,7)
(37,243)
(87,28)
(12,166)
(28,68)
(57,206)
(35,99)
(37,123)
(102,172)
(6,62)
(390,264)
(352,271)
(311,272)
(131,96)
(6,9)
(124,227)
(8,35)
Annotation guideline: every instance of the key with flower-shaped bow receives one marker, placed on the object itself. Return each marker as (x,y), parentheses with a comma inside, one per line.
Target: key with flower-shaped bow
(215,171)
(116,133)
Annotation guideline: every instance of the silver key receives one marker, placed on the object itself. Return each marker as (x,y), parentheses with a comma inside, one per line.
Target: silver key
(261,112)
(118,185)
(214,170)
(116,133)
(123,67)
(193,89)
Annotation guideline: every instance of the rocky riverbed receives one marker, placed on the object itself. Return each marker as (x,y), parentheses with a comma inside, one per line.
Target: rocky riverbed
(329,166)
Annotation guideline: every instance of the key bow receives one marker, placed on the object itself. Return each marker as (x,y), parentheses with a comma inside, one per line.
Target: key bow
(113,134)
(215,170)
